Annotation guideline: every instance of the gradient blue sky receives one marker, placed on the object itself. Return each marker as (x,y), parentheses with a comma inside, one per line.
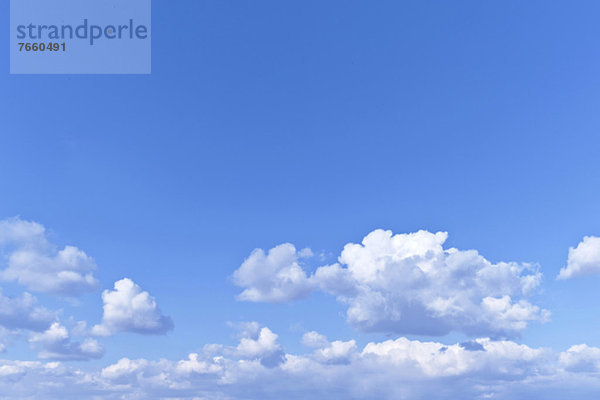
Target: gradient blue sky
(314,123)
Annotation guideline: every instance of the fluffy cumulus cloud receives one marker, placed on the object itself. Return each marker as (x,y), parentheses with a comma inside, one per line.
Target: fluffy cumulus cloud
(23,312)
(581,358)
(56,344)
(256,344)
(337,352)
(273,277)
(262,346)
(314,339)
(407,284)
(403,284)
(583,260)
(32,260)
(128,308)
(393,369)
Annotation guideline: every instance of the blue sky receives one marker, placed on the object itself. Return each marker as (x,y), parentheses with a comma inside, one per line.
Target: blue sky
(312,123)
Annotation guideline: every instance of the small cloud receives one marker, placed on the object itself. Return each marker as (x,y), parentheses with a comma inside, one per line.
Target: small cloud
(39,265)
(256,342)
(23,312)
(55,344)
(305,253)
(129,309)
(584,260)
(314,340)
(272,277)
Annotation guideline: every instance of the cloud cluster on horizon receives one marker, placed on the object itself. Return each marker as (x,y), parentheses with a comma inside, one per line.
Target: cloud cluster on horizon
(403,284)
(406,284)
(399,369)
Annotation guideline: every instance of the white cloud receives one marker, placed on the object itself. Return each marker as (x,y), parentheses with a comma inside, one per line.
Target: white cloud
(393,369)
(256,343)
(583,260)
(30,380)
(273,277)
(306,253)
(129,309)
(337,352)
(497,359)
(407,284)
(34,262)
(264,343)
(195,365)
(314,340)
(55,344)
(581,358)
(23,312)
